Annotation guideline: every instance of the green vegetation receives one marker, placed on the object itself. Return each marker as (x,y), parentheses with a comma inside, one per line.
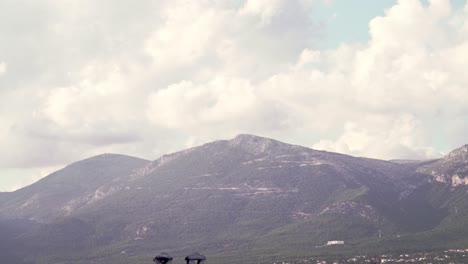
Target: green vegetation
(235,204)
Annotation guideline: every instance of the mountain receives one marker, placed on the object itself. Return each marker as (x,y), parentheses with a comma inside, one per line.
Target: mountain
(9,244)
(77,185)
(452,169)
(250,196)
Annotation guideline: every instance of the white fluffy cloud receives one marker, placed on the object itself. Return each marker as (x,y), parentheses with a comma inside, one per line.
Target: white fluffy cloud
(185,105)
(86,77)
(376,136)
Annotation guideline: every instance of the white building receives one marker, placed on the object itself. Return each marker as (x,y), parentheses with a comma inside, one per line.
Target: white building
(335,242)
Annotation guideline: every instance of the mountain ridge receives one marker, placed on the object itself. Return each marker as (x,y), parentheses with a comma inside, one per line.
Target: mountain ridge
(249,193)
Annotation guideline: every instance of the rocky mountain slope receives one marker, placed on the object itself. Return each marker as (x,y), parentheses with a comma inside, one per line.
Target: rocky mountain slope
(248,194)
(77,185)
(452,169)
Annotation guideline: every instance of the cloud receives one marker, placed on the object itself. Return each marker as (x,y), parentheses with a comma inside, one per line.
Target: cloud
(185,105)
(81,73)
(380,136)
(144,79)
(269,10)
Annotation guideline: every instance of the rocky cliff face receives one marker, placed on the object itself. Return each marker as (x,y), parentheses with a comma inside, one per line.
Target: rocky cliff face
(451,170)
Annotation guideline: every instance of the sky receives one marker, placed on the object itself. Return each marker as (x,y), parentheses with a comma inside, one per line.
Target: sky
(383,79)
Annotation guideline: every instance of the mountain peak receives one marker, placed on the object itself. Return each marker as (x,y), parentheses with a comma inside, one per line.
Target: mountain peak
(107,157)
(256,145)
(248,138)
(111,156)
(461,152)
(253,144)
(452,169)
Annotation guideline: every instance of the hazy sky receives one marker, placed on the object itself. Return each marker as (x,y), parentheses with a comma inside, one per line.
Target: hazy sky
(384,79)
